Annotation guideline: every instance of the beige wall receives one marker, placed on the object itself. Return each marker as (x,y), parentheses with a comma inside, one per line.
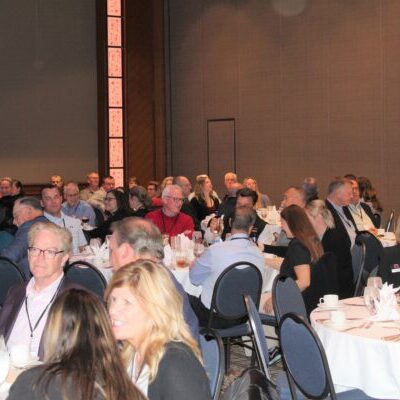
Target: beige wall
(48,89)
(313,94)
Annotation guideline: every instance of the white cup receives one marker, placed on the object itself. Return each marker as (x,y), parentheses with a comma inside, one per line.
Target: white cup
(381,232)
(338,317)
(20,355)
(329,300)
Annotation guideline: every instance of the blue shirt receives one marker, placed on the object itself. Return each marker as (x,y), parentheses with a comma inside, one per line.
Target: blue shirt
(80,210)
(218,257)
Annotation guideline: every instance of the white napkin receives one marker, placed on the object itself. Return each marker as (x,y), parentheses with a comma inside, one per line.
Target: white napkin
(273,216)
(386,306)
(206,220)
(186,243)
(102,251)
(168,255)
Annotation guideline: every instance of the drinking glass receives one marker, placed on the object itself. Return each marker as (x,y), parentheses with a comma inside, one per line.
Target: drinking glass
(371,295)
(181,259)
(375,282)
(175,243)
(198,249)
(197,237)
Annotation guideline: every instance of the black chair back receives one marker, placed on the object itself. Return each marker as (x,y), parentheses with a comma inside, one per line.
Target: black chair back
(239,279)
(212,350)
(286,297)
(260,344)
(86,275)
(10,275)
(304,357)
(324,280)
(372,254)
(389,265)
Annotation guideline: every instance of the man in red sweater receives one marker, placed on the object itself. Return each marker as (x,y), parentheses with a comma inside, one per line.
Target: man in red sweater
(170,220)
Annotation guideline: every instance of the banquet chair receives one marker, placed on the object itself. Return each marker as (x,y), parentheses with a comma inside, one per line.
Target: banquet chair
(286,298)
(212,350)
(371,256)
(390,262)
(86,275)
(239,279)
(10,275)
(306,362)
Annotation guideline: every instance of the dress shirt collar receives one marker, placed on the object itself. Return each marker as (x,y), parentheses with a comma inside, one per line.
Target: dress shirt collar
(31,291)
(239,236)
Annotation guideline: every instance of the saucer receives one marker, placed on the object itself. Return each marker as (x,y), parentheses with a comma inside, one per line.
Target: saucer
(338,306)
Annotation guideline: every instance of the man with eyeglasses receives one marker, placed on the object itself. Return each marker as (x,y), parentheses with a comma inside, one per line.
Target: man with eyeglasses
(26,212)
(169,219)
(24,312)
(52,204)
(73,206)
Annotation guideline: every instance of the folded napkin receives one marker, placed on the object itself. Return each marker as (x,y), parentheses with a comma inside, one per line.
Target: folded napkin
(273,216)
(102,251)
(386,304)
(168,255)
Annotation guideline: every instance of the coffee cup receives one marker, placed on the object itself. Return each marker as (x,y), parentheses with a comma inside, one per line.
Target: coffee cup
(329,300)
(381,232)
(20,355)
(338,317)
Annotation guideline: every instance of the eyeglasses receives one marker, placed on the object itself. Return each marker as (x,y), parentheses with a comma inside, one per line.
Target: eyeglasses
(47,253)
(109,198)
(176,199)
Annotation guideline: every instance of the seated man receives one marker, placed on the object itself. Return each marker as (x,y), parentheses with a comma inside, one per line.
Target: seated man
(359,213)
(294,195)
(52,204)
(56,180)
(92,187)
(187,206)
(25,310)
(74,207)
(227,206)
(135,238)
(209,266)
(170,220)
(97,198)
(27,211)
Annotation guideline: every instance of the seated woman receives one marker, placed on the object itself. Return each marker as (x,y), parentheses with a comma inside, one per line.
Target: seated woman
(139,201)
(304,248)
(263,200)
(82,360)
(323,223)
(117,208)
(159,352)
(204,202)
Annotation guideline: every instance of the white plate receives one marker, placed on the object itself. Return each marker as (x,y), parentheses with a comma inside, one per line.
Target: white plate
(346,324)
(339,306)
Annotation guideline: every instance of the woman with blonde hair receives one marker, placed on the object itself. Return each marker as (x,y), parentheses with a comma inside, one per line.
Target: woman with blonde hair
(158,350)
(263,200)
(332,241)
(204,201)
(82,359)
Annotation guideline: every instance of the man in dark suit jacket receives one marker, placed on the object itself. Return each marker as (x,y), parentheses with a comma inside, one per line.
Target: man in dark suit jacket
(27,211)
(360,213)
(25,310)
(187,207)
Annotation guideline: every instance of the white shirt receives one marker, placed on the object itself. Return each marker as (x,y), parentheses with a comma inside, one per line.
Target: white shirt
(142,381)
(37,303)
(361,218)
(73,225)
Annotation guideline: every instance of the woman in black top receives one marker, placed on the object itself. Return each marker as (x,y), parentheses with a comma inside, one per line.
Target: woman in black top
(204,202)
(117,208)
(139,201)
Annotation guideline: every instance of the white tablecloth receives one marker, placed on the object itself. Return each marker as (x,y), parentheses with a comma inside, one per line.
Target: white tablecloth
(267,235)
(360,358)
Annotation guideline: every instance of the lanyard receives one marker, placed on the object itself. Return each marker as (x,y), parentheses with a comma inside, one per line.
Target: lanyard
(32,329)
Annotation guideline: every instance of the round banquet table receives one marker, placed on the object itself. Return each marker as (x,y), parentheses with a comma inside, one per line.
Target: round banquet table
(361,354)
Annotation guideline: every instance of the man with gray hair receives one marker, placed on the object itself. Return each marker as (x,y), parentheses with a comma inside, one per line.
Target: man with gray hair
(136,238)
(27,211)
(25,310)
(187,206)
(210,265)
(169,219)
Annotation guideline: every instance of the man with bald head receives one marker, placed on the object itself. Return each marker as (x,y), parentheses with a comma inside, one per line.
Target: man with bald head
(27,211)
(187,208)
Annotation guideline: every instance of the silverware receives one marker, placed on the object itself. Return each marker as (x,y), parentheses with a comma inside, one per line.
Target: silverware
(392,338)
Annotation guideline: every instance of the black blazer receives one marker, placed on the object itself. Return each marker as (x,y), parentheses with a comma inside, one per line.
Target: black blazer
(367,210)
(339,226)
(13,303)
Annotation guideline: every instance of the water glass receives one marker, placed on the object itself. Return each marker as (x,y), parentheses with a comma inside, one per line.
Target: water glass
(371,295)
(375,282)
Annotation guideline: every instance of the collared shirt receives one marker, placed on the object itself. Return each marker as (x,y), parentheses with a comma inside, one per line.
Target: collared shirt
(218,257)
(80,210)
(346,222)
(361,218)
(87,193)
(73,225)
(37,302)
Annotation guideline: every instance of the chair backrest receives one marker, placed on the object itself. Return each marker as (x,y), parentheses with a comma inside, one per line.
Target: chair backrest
(304,357)
(212,350)
(237,280)
(324,280)
(260,344)
(389,266)
(86,275)
(390,221)
(10,275)
(286,297)
(252,384)
(372,254)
